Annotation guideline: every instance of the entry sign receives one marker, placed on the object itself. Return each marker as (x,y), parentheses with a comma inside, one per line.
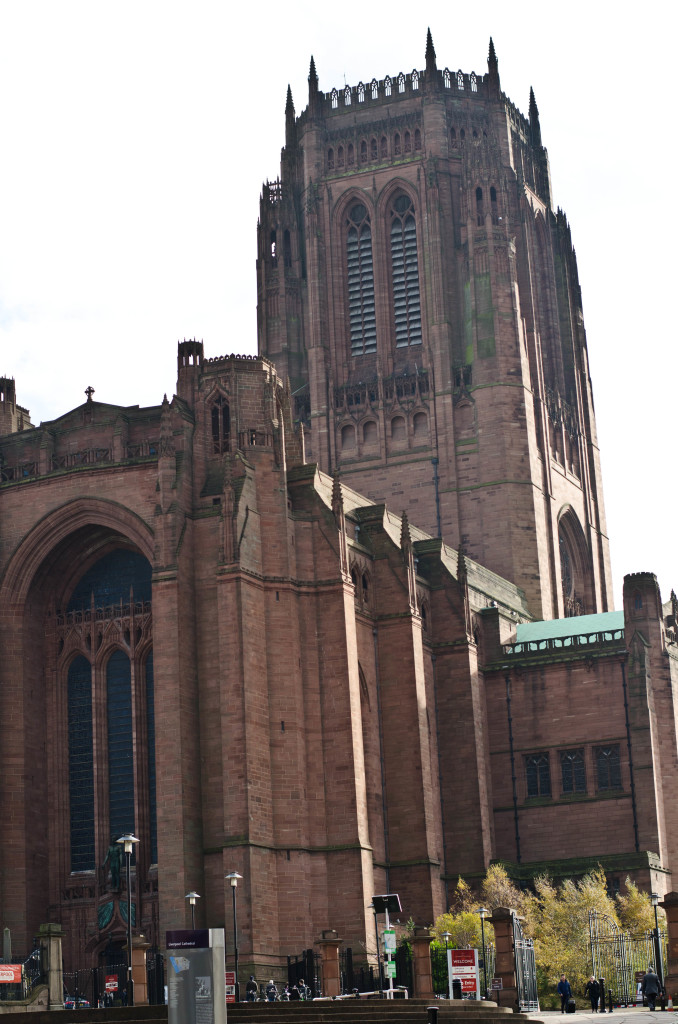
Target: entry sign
(111,982)
(389,940)
(230,986)
(11,973)
(462,965)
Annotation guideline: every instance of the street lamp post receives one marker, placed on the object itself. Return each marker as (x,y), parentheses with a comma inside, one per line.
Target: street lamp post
(128,841)
(447,936)
(376,935)
(483,914)
(234,878)
(657,942)
(192,897)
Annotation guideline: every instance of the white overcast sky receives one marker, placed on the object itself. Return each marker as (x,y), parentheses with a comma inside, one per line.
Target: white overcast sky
(136,135)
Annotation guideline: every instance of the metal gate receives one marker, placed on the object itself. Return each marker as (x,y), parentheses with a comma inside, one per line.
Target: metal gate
(617,957)
(526,968)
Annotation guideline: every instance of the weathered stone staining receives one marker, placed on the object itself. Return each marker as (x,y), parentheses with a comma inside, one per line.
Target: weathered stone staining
(337,616)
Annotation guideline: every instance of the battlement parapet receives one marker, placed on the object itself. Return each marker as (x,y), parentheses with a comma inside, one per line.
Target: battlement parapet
(393,89)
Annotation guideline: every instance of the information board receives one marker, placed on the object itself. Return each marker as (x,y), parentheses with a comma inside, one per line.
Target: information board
(196,976)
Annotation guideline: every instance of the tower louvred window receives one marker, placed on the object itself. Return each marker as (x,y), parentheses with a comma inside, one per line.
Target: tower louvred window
(405,265)
(360,281)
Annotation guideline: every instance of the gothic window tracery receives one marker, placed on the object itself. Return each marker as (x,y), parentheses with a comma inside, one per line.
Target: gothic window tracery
(474,82)
(401,82)
(405,270)
(113,598)
(374,89)
(221,425)
(361,304)
(361,93)
(415,80)
(573,771)
(387,85)
(347,96)
(538,775)
(460,80)
(608,767)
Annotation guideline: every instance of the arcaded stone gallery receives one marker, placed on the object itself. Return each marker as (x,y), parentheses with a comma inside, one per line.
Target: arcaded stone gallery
(338,616)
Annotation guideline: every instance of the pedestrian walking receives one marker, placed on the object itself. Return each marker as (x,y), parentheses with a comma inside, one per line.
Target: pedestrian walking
(650,987)
(564,991)
(592,990)
(251,989)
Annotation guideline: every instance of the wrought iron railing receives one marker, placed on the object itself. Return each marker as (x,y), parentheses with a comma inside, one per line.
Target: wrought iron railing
(619,957)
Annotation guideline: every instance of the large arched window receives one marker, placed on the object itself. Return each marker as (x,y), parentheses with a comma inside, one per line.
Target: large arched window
(361,313)
(405,269)
(575,572)
(115,660)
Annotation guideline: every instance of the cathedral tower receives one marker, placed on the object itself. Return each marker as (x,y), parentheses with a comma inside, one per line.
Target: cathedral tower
(421,293)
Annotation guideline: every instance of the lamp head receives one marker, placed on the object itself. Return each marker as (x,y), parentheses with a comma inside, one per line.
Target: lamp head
(654,898)
(192,897)
(233,878)
(128,841)
(447,936)
(483,913)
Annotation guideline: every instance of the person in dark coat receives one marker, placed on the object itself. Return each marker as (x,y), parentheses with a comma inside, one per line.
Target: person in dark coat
(650,987)
(251,989)
(592,990)
(564,991)
(271,991)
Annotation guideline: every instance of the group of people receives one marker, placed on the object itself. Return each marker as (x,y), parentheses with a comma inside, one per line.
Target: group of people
(270,993)
(650,987)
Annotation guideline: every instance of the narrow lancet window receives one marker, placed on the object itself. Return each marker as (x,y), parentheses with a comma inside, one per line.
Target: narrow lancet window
(362,319)
(405,265)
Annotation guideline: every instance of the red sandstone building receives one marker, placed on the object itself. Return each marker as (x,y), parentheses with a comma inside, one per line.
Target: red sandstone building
(211,639)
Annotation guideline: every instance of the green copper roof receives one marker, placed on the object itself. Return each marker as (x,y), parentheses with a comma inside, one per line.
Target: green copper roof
(576,626)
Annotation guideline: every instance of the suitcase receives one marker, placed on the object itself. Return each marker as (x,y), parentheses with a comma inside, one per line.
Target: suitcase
(571,1006)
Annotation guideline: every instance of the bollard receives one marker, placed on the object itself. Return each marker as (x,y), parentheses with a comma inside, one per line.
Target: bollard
(432,1012)
(610,1000)
(601,982)
(456,988)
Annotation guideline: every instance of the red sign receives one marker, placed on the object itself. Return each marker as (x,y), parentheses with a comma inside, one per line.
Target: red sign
(111,982)
(10,973)
(463,958)
(230,986)
(468,982)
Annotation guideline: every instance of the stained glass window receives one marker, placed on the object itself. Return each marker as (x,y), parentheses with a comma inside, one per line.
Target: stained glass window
(81,765)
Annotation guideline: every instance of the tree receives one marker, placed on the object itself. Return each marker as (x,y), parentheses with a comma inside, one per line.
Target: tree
(561,930)
(636,912)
